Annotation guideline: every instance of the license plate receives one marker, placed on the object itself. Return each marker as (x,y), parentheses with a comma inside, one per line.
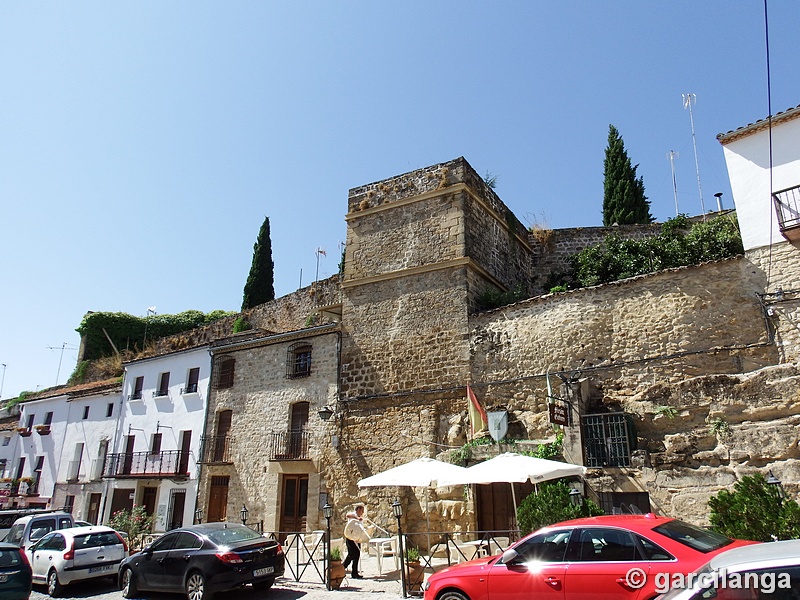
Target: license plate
(264,571)
(3,578)
(101,569)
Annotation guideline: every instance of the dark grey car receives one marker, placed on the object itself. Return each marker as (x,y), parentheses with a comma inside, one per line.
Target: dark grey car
(203,559)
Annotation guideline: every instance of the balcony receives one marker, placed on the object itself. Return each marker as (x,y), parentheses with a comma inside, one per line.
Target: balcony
(215,449)
(132,465)
(787,206)
(288,445)
(191,388)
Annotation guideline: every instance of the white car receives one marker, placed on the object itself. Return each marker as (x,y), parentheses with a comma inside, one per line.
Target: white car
(76,554)
(769,571)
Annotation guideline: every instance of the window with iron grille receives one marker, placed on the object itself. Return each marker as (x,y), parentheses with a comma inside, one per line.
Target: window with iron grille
(607,440)
(224,367)
(298,360)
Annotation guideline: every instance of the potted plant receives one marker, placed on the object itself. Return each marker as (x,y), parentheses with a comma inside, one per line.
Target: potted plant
(42,429)
(336,568)
(415,571)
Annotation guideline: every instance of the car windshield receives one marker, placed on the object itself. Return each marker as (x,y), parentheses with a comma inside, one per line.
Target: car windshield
(697,538)
(15,535)
(232,535)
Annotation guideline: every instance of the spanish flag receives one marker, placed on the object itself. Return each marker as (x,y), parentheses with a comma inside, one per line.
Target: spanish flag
(477,415)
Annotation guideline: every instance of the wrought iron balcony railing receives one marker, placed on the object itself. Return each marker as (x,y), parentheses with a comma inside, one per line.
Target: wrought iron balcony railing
(215,449)
(787,206)
(147,464)
(288,445)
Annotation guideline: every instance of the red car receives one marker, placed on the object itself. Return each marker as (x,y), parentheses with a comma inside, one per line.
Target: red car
(603,558)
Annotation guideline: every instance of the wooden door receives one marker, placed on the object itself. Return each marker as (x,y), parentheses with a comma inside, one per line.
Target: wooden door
(218,499)
(128,458)
(297,428)
(294,503)
(495,505)
(94,508)
(177,503)
(149,500)
(221,440)
(121,499)
(186,443)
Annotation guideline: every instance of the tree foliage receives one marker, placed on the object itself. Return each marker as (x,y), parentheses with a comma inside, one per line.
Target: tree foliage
(260,287)
(624,202)
(551,504)
(127,332)
(755,511)
(135,522)
(678,244)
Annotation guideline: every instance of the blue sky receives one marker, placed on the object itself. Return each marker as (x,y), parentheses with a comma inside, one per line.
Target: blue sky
(143,143)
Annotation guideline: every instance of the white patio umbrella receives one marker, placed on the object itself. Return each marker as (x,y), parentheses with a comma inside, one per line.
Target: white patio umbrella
(514,468)
(422,472)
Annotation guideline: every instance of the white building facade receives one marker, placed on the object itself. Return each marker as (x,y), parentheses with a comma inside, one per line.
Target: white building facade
(153,461)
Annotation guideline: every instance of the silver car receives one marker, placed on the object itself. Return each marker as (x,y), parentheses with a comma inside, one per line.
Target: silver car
(769,571)
(76,554)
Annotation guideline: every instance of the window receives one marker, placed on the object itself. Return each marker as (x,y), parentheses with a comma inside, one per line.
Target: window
(155,443)
(138,385)
(298,360)
(6,440)
(163,385)
(545,547)
(110,409)
(48,418)
(607,440)
(29,424)
(69,503)
(224,367)
(607,545)
(85,412)
(191,381)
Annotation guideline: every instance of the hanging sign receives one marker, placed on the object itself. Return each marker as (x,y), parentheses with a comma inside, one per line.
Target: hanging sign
(559,411)
(498,424)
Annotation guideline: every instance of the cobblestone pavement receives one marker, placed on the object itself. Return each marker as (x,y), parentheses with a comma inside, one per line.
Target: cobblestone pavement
(285,588)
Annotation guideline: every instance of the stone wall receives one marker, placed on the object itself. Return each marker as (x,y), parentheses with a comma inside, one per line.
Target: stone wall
(261,400)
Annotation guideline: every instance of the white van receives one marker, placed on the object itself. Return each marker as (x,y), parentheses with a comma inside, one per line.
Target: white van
(30,529)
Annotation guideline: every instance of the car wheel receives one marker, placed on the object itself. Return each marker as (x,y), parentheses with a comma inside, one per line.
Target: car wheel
(263,586)
(452,595)
(54,588)
(196,587)
(129,589)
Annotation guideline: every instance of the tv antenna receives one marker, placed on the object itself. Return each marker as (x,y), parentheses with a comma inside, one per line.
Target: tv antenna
(672,155)
(688,100)
(63,347)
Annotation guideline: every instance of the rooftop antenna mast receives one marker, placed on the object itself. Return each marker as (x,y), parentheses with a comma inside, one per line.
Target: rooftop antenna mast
(63,346)
(672,155)
(688,100)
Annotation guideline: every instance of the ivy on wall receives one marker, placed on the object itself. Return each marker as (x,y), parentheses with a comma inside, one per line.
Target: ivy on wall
(127,332)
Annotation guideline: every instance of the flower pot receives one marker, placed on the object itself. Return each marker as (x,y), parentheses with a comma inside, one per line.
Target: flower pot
(337,573)
(43,429)
(415,576)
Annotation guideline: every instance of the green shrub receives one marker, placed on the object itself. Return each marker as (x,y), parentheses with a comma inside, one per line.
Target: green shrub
(241,325)
(755,511)
(680,243)
(551,504)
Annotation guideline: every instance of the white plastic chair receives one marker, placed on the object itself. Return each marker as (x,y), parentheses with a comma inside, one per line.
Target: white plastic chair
(387,549)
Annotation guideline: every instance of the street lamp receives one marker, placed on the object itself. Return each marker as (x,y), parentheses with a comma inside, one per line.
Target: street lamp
(243,514)
(575,497)
(198,515)
(772,480)
(325,413)
(397,508)
(327,512)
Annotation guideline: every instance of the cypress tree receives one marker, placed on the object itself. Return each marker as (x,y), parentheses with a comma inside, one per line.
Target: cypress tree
(259,287)
(624,201)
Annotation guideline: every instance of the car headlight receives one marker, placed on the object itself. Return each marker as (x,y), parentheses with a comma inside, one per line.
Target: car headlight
(425,585)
